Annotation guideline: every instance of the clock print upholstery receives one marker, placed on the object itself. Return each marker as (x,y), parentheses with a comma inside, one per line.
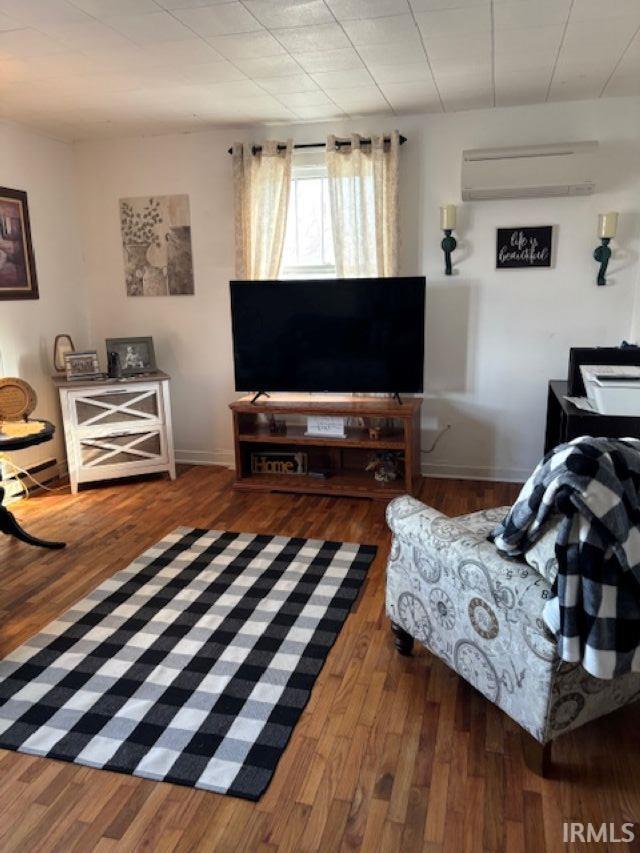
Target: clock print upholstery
(449,588)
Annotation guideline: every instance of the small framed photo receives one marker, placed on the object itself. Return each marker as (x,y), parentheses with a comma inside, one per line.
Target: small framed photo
(82,365)
(136,355)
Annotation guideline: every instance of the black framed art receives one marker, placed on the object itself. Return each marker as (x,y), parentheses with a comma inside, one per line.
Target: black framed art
(136,355)
(524,247)
(18,278)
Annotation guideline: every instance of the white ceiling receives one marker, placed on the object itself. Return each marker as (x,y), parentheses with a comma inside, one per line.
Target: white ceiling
(90,68)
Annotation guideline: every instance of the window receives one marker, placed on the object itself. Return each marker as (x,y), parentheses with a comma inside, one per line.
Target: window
(308,242)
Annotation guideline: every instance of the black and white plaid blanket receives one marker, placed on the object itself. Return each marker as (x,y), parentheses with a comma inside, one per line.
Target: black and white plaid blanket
(591,487)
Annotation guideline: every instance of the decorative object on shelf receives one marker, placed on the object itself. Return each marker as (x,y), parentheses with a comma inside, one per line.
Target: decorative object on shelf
(377,427)
(385,465)
(326,425)
(117,429)
(82,365)
(278,462)
(17,399)
(524,247)
(277,426)
(19,429)
(61,346)
(137,355)
(448,215)
(114,365)
(18,278)
(156,241)
(607,227)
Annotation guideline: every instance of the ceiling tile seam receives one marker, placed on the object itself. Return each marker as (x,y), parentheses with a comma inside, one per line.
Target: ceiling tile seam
(621,57)
(95,20)
(375,82)
(261,28)
(426,56)
(559,51)
(302,70)
(492,13)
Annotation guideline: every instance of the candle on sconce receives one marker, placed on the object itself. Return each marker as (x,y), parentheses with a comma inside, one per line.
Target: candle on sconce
(448,223)
(448,217)
(607,225)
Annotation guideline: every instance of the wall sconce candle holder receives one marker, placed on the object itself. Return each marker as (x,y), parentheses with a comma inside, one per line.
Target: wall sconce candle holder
(449,243)
(607,227)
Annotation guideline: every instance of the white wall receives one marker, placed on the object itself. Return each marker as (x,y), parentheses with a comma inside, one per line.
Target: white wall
(192,334)
(45,169)
(493,338)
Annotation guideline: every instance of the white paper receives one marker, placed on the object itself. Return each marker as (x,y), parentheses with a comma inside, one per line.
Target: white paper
(582,403)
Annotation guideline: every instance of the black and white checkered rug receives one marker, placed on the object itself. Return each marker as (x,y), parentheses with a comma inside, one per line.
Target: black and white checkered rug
(191,666)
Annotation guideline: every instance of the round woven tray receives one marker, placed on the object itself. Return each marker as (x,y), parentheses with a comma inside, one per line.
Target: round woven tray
(17,399)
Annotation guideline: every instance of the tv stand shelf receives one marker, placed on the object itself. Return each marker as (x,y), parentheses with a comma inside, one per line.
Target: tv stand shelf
(344,459)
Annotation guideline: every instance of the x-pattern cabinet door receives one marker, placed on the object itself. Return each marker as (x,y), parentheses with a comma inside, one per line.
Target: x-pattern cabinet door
(117,406)
(117,430)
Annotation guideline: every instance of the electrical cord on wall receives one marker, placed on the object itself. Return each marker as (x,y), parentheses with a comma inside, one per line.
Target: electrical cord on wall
(437,439)
(4,460)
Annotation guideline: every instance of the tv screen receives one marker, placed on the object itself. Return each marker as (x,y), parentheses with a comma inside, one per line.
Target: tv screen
(347,335)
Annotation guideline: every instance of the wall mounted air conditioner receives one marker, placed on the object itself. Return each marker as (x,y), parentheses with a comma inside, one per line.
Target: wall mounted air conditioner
(529,171)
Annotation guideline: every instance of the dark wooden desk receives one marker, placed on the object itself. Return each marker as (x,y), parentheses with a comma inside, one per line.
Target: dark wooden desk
(565,421)
(8,522)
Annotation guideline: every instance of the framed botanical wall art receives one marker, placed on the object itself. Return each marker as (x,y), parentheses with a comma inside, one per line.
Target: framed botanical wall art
(156,242)
(17,265)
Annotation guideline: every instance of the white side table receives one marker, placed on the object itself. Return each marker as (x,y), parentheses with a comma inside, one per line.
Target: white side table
(117,427)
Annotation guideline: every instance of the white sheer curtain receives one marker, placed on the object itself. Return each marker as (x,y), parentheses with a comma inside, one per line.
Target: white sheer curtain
(261,185)
(363,190)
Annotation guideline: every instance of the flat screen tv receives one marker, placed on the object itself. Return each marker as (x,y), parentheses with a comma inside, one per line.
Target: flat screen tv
(343,335)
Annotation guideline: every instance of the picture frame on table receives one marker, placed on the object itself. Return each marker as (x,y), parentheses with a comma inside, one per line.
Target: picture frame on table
(82,365)
(137,355)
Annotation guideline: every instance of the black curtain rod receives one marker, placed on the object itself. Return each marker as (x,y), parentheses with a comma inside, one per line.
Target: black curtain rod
(339,144)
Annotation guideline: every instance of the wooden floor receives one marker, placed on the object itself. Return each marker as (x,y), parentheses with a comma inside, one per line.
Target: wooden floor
(393,754)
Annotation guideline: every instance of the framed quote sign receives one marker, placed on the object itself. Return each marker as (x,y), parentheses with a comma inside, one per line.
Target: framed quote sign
(524,247)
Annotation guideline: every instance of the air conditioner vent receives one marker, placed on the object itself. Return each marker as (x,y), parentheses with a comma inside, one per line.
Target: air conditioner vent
(529,171)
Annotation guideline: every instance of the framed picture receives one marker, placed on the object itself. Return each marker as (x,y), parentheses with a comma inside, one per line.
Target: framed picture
(156,244)
(17,265)
(136,354)
(82,365)
(524,247)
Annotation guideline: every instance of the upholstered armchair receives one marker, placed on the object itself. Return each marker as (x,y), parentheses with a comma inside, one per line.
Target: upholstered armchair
(450,589)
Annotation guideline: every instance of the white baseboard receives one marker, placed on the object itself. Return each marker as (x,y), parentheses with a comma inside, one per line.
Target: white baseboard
(470,472)
(206,457)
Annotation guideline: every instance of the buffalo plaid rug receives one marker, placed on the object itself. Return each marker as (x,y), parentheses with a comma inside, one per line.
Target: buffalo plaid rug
(191,666)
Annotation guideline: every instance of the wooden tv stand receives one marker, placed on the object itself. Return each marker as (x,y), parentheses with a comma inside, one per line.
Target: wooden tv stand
(344,459)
